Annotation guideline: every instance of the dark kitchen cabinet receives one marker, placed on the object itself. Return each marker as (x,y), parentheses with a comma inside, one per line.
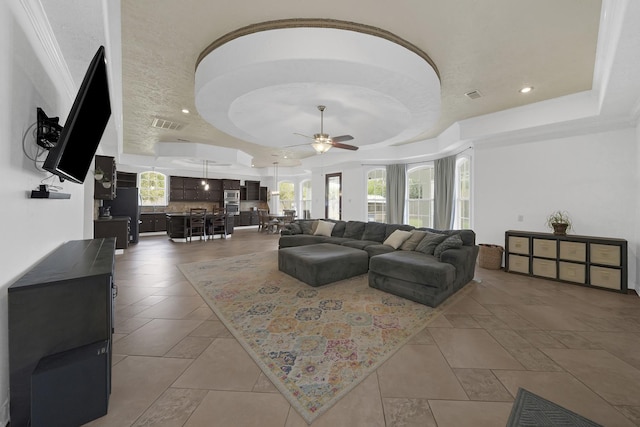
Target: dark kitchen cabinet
(153,221)
(105,188)
(263,194)
(126,179)
(188,189)
(231,184)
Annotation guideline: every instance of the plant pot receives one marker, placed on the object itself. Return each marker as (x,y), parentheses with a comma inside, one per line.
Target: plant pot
(559,228)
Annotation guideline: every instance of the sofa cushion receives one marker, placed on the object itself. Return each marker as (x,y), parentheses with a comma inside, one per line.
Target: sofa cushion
(378,249)
(411,243)
(306,225)
(374,231)
(295,228)
(288,241)
(354,230)
(324,228)
(429,242)
(359,244)
(452,242)
(338,230)
(397,238)
(415,267)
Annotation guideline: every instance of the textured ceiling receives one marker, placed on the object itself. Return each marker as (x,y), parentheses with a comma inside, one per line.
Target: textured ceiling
(494,47)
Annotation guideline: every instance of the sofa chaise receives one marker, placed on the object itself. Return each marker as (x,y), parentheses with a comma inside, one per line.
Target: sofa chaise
(421,264)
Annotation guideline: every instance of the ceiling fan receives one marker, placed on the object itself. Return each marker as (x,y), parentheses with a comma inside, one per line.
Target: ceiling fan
(322,142)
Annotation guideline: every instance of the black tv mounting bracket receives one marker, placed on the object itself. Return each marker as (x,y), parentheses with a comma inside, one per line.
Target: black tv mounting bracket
(48,130)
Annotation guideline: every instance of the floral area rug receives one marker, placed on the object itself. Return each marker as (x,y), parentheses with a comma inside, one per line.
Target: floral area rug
(314,344)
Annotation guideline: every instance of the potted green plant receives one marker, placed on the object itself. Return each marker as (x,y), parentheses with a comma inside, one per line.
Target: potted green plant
(98,174)
(559,222)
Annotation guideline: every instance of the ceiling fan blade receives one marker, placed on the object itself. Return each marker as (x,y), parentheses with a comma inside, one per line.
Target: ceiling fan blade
(342,138)
(301,134)
(345,146)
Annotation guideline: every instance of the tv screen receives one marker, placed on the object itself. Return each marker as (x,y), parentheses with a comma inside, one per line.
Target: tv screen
(73,154)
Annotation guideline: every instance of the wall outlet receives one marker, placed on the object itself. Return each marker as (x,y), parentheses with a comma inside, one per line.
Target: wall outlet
(520,218)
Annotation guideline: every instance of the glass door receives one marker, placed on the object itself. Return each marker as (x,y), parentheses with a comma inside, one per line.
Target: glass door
(333,196)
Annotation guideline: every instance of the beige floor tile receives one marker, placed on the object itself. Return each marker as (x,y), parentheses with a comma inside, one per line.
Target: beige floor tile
(230,409)
(482,384)
(534,360)
(136,383)
(574,340)
(419,371)
(473,348)
(362,407)
(612,378)
(472,414)
(126,325)
(156,337)
(408,413)
(172,409)
(224,365)
(131,295)
(625,345)
(211,328)
(541,339)
(173,307)
(467,305)
(190,347)
(459,320)
(489,322)
(551,318)
(423,337)
(566,391)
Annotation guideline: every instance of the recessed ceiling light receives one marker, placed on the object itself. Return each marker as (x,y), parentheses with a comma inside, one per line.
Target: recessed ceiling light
(185,111)
(526,89)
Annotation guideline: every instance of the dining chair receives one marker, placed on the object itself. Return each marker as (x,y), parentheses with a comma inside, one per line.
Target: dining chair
(219,225)
(197,223)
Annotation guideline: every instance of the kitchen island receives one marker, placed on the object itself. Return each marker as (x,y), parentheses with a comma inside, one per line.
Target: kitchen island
(178,223)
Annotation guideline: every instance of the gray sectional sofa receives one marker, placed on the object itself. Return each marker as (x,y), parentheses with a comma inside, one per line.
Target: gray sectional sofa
(420,264)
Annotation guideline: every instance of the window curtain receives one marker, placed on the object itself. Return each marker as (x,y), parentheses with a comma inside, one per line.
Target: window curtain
(444,184)
(395,192)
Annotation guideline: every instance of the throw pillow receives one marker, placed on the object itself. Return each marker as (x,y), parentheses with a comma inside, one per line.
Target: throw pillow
(306,226)
(295,228)
(429,242)
(324,228)
(397,238)
(314,226)
(411,243)
(451,242)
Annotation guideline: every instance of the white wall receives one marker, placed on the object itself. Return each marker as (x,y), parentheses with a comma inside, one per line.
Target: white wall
(593,177)
(31,228)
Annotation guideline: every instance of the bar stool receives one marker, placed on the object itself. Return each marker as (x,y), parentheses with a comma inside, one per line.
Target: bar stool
(197,223)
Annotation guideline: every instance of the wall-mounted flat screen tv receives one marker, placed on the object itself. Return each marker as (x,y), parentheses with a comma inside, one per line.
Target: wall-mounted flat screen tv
(73,153)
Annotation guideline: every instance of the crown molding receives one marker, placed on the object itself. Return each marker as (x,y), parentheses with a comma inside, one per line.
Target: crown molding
(31,13)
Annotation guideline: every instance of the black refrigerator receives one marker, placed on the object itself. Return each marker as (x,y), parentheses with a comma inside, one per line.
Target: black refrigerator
(127,203)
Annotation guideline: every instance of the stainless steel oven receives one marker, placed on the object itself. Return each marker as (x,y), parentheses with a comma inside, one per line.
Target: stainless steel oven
(232,208)
(232,196)
(232,202)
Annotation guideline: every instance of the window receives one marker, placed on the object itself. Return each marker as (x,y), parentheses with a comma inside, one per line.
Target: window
(377,195)
(287,194)
(153,188)
(462,218)
(420,181)
(305,201)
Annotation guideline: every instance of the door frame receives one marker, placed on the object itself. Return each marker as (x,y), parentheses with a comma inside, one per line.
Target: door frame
(326,193)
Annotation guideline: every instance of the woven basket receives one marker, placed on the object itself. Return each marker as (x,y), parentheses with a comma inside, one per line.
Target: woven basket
(490,256)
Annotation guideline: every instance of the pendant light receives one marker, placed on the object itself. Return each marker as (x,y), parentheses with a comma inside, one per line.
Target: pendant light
(275,192)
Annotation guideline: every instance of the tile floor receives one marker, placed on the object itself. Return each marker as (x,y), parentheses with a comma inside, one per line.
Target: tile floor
(175,364)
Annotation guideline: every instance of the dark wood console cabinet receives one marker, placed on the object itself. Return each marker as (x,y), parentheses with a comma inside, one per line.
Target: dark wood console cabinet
(61,321)
(584,260)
